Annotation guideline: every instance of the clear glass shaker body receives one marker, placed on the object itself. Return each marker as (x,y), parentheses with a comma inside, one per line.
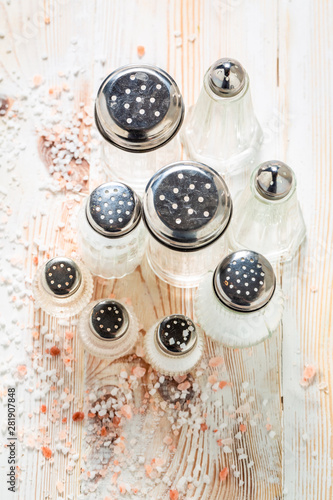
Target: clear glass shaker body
(222,130)
(62,287)
(108,340)
(181,268)
(272,227)
(135,169)
(187,208)
(232,328)
(110,257)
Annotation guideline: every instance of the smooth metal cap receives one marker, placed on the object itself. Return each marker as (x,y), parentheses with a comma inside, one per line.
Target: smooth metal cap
(274,180)
(176,335)
(113,209)
(139,108)
(62,277)
(244,281)
(226,77)
(187,205)
(109,320)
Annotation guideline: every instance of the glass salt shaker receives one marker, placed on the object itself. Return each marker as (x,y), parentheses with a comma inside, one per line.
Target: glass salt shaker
(138,111)
(267,216)
(112,237)
(174,345)
(62,287)
(108,329)
(222,129)
(240,304)
(187,208)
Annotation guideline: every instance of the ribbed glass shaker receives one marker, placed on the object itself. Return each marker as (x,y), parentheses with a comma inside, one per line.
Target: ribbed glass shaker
(62,287)
(240,304)
(111,236)
(187,208)
(108,329)
(221,129)
(267,215)
(138,111)
(174,345)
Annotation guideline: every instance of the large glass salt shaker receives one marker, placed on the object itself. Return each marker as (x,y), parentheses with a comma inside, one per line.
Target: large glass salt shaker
(62,287)
(221,129)
(240,304)
(174,346)
(111,235)
(187,208)
(138,111)
(267,216)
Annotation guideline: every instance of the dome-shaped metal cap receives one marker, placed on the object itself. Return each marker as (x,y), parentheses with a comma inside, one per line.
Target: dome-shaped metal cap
(244,281)
(113,209)
(109,320)
(61,277)
(274,180)
(226,77)
(176,335)
(187,205)
(139,108)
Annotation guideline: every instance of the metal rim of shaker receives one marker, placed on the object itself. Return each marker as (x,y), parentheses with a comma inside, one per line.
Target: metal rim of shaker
(163,349)
(79,282)
(175,247)
(125,315)
(238,310)
(145,150)
(115,236)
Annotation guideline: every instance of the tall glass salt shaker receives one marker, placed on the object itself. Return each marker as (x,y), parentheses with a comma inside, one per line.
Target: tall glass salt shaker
(108,329)
(221,129)
(62,287)
(174,345)
(267,216)
(187,208)
(240,304)
(138,111)
(111,235)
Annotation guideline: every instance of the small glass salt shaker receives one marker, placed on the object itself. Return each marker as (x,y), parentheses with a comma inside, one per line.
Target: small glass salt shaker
(111,235)
(62,287)
(187,208)
(267,216)
(174,345)
(138,111)
(108,329)
(240,304)
(221,129)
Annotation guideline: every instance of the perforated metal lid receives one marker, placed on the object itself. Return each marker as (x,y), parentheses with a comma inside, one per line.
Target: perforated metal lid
(274,180)
(176,334)
(139,108)
(61,277)
(109,320)
(187,205)
(226,77)
(113,209)
(244,281)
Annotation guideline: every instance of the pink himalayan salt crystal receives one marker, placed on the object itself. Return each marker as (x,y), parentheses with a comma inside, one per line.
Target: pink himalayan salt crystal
(173,494)
(180,378)
(22,371)
(309,374)
(184,386)
(139,371)
(243,408)
(216,361)
(224,473)
(212,379)
(167,440)
(126,411)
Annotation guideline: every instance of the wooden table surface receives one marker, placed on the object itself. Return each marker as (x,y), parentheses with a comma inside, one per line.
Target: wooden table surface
(272,433)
